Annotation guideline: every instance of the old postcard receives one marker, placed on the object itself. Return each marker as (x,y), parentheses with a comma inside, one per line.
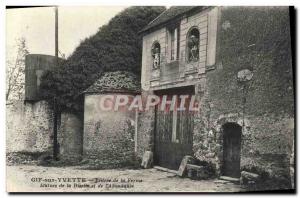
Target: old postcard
(150,99)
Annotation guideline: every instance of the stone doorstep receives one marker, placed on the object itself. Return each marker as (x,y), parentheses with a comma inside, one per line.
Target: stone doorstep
(219,181)
(230,179)
(165,169)
(196,172)
(193,167)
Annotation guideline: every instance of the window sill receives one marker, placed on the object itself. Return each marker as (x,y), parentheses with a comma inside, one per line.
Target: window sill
(209,68)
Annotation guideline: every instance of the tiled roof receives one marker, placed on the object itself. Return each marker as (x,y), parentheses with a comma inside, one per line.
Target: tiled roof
(116,82)
(171,13)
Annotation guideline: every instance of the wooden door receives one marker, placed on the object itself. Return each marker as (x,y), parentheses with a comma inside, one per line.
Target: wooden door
(173,133)
(231,149)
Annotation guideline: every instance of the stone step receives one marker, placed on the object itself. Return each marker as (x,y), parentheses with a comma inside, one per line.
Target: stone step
(230,179)
(219,181)
(165,169)
(182,171)
(194,167)
(196,172)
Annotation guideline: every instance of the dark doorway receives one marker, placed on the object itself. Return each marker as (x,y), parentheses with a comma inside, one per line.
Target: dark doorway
(173,132)
(231,149)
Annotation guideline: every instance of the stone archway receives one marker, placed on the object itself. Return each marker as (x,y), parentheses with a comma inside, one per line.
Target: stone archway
(231,149)
(219,131)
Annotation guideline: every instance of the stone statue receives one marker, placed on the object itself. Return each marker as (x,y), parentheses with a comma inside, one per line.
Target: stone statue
(193,44)
(156,58)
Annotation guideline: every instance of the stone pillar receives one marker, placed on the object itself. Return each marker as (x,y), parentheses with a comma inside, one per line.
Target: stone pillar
(70,136)
(145,136)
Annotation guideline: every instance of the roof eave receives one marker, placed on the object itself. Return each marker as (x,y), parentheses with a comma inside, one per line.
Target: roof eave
(112,92)
(160,25)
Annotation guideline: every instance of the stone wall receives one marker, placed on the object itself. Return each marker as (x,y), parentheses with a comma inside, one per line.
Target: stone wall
(29,127)
(70,136)
(257,39)
(145,135)
(108,136)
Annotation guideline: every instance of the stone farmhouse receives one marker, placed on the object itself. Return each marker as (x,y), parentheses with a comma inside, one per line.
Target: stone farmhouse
(236,61)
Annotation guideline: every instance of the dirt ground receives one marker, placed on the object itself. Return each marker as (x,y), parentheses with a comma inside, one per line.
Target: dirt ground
(29,178)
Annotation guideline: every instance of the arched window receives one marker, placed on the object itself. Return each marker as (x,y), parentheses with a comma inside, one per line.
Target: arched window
(193,45)
(155,52)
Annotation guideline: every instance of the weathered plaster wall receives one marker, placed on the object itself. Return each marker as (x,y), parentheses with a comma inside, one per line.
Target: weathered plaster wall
(179,72)
(257,39)
(108,135)
(28,127)
(147,70)
(199,21)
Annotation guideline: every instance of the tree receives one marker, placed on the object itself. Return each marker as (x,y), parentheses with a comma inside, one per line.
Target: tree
(15,73)
(117,46)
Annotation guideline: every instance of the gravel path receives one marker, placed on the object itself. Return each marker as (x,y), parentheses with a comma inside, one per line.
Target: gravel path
(29,178)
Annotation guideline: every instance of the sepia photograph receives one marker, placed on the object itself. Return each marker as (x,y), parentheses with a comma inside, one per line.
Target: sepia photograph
(150,99)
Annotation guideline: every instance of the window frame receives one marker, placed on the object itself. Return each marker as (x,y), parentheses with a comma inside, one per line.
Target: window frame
(187,44)
(173,44)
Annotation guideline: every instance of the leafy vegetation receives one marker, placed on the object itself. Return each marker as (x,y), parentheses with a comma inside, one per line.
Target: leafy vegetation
(15,73)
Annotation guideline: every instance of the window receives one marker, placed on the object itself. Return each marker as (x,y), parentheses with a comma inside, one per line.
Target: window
(193,45)
(174,43)
(155,51)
